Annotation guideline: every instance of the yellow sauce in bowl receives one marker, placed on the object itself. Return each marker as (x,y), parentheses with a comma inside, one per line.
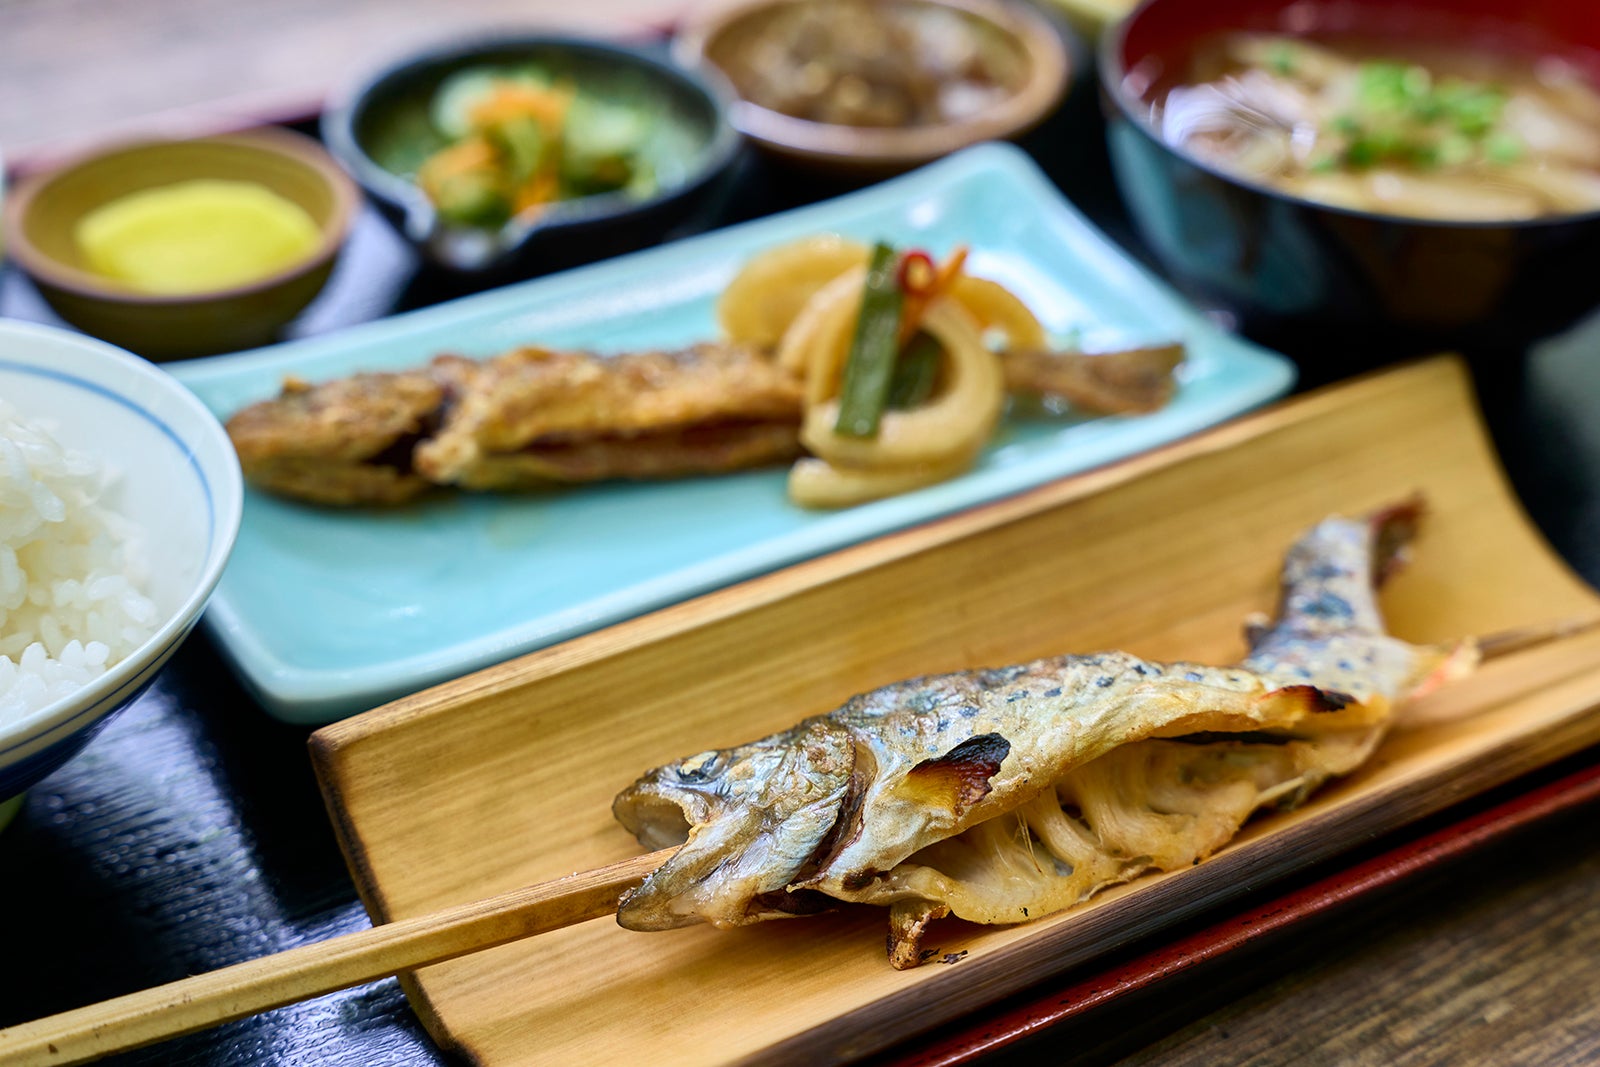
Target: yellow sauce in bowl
(196,236)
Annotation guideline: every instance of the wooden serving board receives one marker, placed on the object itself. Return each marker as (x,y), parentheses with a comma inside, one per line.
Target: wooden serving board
(506,776)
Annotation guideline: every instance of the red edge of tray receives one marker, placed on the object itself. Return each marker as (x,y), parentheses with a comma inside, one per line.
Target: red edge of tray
(1084,997)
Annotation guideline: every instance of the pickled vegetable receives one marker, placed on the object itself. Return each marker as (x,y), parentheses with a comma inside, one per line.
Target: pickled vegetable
(196,236)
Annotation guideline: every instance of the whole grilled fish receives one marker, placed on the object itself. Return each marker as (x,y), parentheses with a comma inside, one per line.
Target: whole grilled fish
(1006,794)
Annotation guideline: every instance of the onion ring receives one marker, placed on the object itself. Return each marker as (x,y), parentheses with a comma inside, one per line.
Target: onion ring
(958,419)
(762,301)
(816,483)
(998,308)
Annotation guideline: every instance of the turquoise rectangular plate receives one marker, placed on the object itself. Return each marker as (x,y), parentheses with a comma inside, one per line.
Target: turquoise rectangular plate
(327,612)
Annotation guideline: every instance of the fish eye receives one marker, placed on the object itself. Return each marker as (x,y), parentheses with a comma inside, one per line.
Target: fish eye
(699,768)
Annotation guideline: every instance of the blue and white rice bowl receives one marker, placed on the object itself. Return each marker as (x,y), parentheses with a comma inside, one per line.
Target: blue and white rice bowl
(174,479)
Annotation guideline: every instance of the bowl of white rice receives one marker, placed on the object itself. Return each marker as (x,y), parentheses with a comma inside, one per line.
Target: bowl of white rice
(119,502)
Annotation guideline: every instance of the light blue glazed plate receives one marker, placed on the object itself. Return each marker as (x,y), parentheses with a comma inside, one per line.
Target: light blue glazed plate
(327,612)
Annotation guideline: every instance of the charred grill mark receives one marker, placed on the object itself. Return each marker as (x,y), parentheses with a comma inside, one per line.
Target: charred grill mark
(1318,700)
(960,778)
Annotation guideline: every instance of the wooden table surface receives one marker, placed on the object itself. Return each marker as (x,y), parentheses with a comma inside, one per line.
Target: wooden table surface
(1496,963)
(72,70)
(189,834)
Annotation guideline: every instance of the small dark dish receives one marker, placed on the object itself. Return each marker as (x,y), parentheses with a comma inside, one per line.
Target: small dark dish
(1301,271)
(381,130)
(951,73)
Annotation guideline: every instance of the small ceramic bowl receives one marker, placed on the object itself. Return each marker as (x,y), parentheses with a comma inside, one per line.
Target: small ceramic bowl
(177,480)
(1027,50)
(43,211)
(380,130)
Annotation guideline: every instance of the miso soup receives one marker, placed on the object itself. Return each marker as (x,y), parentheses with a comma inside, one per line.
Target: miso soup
(1421,131)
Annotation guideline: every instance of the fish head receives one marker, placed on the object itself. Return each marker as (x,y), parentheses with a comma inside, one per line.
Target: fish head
(754,816)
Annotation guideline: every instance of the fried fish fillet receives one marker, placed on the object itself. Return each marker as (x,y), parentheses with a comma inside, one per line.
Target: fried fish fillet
(536,415)
(345,442)
(1008,794)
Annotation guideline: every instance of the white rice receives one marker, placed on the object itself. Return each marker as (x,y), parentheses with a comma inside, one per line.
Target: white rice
(72,571)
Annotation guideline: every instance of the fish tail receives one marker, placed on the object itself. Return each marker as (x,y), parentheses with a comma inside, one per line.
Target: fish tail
(1330,576)
(1393,528)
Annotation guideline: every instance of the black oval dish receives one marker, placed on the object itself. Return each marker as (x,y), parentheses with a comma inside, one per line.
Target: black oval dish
(568,232)
(1350,285)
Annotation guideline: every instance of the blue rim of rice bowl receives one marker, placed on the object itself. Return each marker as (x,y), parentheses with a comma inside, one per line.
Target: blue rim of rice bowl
(149,416)
(44,728)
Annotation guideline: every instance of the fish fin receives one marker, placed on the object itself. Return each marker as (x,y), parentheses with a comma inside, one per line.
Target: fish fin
(1393,529)
(908,922)
(848,826)
(957,780)
(1450,663)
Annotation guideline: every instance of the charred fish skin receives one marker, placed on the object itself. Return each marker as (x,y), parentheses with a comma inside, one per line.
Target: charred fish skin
(927,758)
(1004,794)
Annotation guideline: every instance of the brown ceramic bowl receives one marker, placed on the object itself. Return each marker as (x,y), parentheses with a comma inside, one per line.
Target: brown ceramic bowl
(1027,50)
(42,212)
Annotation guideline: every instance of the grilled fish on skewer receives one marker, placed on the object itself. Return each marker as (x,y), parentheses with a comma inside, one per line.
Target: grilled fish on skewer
(1001,795)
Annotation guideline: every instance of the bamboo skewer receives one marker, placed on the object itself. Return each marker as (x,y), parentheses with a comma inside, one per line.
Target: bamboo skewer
(220,996)
(1505,642)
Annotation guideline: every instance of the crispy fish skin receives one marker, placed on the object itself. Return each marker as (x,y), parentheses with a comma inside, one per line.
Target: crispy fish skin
(534,416)
(1006,794)
(343,442)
